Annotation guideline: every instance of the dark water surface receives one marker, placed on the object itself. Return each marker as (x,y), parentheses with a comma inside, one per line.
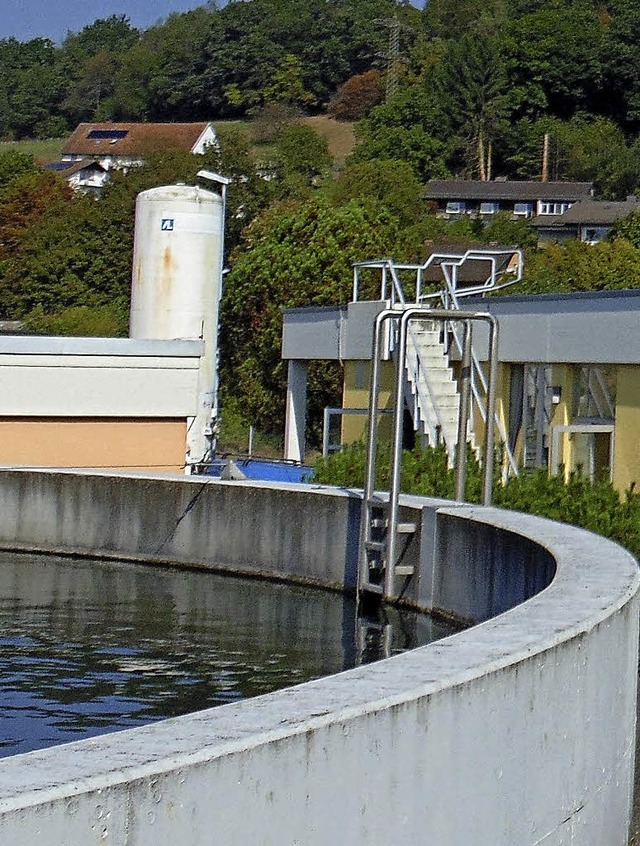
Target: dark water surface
(89,647)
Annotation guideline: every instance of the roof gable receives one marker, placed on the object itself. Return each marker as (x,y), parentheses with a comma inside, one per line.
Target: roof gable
(132,139)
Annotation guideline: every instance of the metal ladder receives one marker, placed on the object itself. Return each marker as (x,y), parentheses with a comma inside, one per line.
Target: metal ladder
(381,553)
(377,565)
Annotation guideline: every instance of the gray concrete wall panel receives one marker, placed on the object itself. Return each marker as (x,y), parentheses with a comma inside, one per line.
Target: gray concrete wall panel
(312,333)
(516,732)
(598,328)
(358,330)
(567,329)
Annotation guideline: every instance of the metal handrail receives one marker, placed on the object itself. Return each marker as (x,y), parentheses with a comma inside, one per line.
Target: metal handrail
(454,260)
(477,374)
(449,295)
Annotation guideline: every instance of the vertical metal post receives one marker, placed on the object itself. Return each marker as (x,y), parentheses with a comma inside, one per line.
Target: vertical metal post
(487,487)
(374,387)
(396,453)
(370,465)
(325,432)
(463,417)
(251,433)
(540,414)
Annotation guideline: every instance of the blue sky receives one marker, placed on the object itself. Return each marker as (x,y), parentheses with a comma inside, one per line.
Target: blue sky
(25,19)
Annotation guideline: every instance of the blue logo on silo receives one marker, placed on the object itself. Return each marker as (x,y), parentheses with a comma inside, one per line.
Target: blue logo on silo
(167,224)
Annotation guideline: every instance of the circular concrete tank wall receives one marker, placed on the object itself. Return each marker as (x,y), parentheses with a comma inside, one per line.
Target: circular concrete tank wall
(517,732)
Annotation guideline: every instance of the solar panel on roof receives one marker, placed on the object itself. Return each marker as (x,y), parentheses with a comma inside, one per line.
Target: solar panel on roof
(58,165)
(109,134)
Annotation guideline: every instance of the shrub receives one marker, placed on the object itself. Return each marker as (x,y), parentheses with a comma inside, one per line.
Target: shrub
(357,96)
(595,506)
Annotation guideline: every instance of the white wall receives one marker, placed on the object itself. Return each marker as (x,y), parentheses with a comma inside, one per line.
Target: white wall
(96,377)
(517,732)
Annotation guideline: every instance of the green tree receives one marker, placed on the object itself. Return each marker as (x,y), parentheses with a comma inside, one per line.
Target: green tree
(627,228)
(455,18)
(286,85)
(392,185)
(300,151)
(471,85)
(14,166)
(576,266)
(553,61)
(410,129)
(293,254)
(105,35)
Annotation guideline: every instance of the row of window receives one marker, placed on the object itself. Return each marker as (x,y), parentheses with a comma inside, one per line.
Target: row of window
(520,209)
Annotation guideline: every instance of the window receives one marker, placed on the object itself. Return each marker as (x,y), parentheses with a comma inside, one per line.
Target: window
(107,134)
(456,207)
(524,209)
(489,208)
(549,207)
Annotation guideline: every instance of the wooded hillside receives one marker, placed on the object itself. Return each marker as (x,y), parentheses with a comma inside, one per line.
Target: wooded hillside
(470,91)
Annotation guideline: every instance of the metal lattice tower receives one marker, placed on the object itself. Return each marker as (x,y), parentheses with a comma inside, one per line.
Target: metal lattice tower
(393,57)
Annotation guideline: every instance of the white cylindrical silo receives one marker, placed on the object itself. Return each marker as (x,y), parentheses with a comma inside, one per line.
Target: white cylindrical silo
(177,283)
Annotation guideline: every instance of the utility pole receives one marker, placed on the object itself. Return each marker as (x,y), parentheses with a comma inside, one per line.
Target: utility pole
(545,158)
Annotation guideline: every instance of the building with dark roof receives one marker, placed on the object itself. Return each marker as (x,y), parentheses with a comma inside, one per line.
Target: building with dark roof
(588,220)
(457,197)
(84,175)
(95,148)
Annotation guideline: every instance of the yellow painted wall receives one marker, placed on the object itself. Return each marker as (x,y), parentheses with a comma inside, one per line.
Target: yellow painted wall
(562,376)
(129,444)
(626,466)
(355,394)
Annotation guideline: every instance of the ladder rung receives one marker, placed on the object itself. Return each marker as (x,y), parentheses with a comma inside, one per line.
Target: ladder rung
(378,546)
(404,570)
(372,588)
(406,528)
(378,523)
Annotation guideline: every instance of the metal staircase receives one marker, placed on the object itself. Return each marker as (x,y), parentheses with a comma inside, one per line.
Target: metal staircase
(430,388)
(431,392)
(418,334)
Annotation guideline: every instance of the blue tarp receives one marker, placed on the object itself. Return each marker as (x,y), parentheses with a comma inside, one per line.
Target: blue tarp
(265,470)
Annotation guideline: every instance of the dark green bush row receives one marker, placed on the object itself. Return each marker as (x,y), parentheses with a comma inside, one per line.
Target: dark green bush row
(595,506)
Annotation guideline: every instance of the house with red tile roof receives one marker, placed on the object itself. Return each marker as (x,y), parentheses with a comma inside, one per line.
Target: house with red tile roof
(95,148)
(122,145)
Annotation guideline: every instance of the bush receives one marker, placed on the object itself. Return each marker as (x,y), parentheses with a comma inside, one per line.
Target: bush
(595,506)
(357,96)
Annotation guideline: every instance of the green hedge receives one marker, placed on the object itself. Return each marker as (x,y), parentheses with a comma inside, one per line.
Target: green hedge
(595,506)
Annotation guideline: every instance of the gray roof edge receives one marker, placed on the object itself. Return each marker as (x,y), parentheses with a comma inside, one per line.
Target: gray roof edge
(622,293)
(127,347)
(326,309)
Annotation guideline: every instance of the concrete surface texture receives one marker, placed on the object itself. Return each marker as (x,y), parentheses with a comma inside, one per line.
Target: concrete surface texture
(518,731)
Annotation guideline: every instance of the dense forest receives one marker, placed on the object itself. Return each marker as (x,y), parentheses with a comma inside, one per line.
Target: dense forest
(463,87)
(474,83)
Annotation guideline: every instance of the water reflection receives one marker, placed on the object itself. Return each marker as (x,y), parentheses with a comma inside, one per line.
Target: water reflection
(91,647)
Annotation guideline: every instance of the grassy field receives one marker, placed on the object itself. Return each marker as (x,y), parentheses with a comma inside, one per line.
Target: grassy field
(44,151)
(339,134)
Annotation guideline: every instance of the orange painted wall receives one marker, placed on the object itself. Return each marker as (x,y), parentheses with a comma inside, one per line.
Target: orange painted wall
(129,444)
